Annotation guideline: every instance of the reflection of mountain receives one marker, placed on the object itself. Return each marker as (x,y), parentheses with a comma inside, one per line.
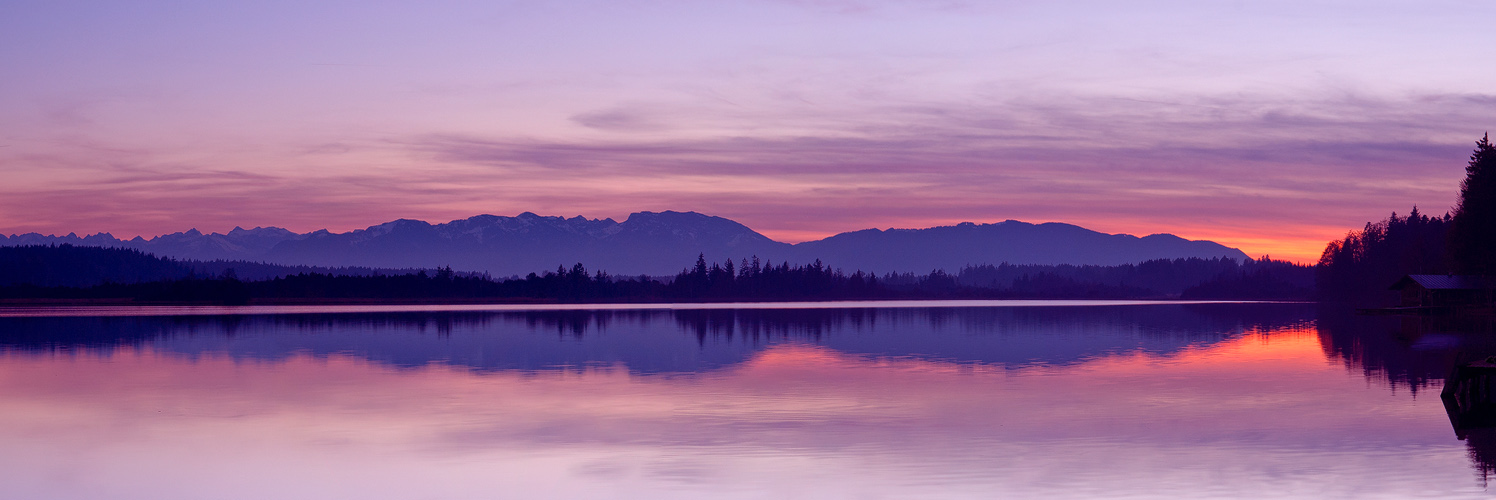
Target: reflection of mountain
(666,341)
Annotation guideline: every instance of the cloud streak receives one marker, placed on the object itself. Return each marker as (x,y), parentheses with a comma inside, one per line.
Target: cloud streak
(1273,127)
(1306,168)
(1243,172)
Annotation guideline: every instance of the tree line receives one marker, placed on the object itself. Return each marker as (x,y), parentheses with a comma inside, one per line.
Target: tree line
(132,275)
(1215,278)
(1360,267)
(81,266)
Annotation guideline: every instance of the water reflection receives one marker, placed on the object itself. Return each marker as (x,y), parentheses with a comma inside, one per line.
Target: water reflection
(666,341)
(1416,352)
(1159,401)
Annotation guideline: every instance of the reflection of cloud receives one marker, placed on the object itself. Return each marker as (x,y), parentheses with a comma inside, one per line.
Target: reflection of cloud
(796,417)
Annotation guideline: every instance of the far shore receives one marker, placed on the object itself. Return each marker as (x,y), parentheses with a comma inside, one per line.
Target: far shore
(15,303)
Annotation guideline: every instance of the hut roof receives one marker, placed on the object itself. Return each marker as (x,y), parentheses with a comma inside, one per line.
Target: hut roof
(1446,282)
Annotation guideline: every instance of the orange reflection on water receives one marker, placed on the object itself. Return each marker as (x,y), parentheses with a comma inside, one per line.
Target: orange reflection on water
(795,420)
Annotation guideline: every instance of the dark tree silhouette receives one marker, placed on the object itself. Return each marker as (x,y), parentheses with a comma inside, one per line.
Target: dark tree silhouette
(1359,268)
(88,273)
(1472,238)
(1159,278)
(68,265)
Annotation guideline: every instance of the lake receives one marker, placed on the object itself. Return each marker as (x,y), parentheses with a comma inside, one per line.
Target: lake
(847,400)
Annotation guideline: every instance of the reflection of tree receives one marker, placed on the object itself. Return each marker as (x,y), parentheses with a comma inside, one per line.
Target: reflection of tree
(1417,351)
(1404,351)
(1152,320)
(1468,400)
(752,326)
(1481,444)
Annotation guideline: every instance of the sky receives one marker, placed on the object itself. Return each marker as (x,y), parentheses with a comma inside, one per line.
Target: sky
(1269,126)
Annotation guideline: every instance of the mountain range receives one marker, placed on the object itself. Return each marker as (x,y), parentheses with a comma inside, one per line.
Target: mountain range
(654,243)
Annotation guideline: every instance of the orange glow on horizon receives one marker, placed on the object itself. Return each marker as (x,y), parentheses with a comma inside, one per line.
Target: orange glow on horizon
(1301,245)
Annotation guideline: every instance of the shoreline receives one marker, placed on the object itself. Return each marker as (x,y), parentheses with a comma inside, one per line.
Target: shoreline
(126,302)
(137,309)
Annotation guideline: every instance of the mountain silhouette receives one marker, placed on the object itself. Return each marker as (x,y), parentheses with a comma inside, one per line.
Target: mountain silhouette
(953,247)
(645,243)
(654,243)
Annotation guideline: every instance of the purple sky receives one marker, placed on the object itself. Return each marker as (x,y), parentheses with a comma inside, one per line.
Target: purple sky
(1270,126)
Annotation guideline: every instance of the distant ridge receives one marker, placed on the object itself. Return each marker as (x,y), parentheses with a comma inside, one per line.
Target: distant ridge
(953,247)
(654,243)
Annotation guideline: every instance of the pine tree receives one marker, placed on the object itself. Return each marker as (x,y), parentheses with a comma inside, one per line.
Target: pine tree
(1472,239)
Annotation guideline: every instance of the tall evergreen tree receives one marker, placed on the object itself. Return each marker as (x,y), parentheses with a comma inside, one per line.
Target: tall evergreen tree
(1472,239)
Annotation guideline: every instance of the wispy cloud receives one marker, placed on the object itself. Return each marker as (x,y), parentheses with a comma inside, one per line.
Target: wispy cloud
(1234,169)
(1214,167)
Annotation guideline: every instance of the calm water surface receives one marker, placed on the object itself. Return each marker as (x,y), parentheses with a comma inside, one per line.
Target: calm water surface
(977,401)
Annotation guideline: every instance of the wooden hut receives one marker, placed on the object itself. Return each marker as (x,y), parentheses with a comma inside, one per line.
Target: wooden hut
(1445,290)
